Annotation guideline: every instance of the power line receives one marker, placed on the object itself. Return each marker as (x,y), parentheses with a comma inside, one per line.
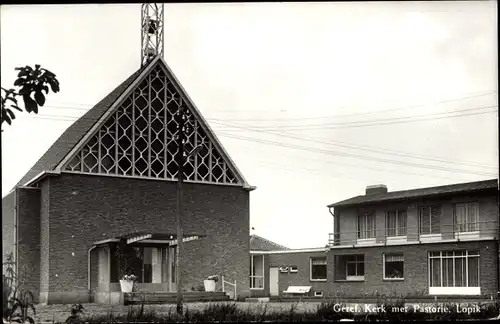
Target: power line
(368,157)
(366,148)
(365,123)
(334,153)
(362,113)
(71,106)
(327,152)
(345,164)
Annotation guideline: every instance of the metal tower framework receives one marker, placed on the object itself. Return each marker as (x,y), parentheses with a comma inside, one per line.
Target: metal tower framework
(152,34)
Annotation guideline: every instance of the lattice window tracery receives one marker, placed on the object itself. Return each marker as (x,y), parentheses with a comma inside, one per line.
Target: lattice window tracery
(139,139)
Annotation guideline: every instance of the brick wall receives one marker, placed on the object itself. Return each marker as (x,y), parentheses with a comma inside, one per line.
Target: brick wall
(8,224)
(347,221)
(83,209)
(416,268)
(488,216)
(29,239)
(44,240)
(299,278)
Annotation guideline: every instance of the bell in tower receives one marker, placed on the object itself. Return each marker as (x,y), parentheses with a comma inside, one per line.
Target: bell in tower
(153,26)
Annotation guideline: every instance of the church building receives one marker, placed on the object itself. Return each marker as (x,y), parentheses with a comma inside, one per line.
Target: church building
(112,177)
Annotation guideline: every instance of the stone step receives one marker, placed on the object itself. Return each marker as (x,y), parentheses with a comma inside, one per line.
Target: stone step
(168,298)
(173,301)
(188,294)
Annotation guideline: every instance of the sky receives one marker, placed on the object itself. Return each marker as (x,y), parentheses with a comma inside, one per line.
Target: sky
(313,101)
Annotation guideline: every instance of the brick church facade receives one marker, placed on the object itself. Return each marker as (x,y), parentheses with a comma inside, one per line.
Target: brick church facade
(112,176)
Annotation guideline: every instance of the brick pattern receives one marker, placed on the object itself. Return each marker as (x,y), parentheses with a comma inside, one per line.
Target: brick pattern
(44,240)
(346,217)
(299,278)
(83,209)
(416,270)
(29,239)
(8,224)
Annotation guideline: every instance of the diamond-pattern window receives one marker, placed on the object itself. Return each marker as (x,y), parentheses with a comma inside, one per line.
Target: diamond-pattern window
(139,139)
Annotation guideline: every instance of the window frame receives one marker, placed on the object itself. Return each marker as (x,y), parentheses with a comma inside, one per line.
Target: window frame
(311,265)
(397,228)
(466,255)
(476,223)
(253,276)
(356,262)
(431,224)
(384,255)
(364,215)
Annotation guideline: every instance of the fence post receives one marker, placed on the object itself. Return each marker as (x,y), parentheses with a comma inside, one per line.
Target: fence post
(222,279)
(235,296)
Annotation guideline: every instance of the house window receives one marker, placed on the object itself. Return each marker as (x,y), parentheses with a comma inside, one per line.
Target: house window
(393,266)
(366,225)
(396,223)
(467,217)
(453,269)
(257,272)
(349,267)
(430,220)
(318,269)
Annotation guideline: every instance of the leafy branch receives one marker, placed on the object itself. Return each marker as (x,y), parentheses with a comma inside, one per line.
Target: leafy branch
(32,84)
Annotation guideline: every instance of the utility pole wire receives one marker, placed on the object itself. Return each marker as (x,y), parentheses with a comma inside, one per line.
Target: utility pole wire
(183,128)
(331,143)
(72,106)
(364,123)
(181,120)
(358,113)
(334,153)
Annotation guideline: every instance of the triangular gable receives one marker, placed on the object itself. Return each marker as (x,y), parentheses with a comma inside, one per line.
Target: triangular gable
(136,136)
(75,132)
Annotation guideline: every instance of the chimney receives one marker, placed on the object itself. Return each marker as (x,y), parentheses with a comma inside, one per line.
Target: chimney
(376,189)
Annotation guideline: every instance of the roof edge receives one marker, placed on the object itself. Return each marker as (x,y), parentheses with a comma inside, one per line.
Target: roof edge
(209,131)
(105,115)
(324,249)
(382,199)
(39,177)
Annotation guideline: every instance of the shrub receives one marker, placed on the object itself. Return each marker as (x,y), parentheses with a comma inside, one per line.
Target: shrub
(76,311)
(17,302)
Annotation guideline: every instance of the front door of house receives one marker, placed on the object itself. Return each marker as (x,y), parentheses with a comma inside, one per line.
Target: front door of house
(273,281)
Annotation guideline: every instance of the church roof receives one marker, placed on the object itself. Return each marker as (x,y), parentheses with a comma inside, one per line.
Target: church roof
(74,144)
(74,133)
(258,243)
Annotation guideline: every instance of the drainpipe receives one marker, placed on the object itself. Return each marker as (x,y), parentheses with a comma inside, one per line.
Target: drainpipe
(331,210)
(16,233)
(88,269)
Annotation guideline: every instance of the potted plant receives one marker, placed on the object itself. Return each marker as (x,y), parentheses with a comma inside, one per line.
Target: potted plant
(126,258)
(127,283)
(209,283)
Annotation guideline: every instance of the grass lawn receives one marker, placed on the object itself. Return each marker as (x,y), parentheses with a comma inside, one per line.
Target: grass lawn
(61,312)
(251,311)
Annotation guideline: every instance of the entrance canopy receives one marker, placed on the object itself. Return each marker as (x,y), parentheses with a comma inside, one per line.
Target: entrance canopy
(155,238)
